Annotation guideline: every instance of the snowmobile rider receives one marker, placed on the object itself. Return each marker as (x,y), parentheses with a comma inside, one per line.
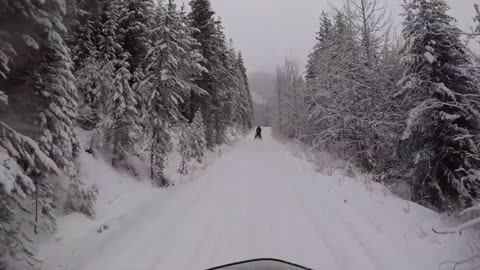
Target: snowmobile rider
(258,133)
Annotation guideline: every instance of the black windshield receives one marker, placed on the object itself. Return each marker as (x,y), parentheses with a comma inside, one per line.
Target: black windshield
(261,264)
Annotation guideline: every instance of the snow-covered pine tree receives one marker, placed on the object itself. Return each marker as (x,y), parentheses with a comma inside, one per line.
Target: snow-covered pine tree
(313,72)
(322,36)
(190,68)
(136,25)
(22,163)
(135,19)
(56,88)
(167,82)
(83,42)
(247,96)
(241,98)
(198,142)
(231,108)
(59,94)
(96,78)
(223,79)
(202,18)
(441,136)
(192,142)
(25,26)
(122,112)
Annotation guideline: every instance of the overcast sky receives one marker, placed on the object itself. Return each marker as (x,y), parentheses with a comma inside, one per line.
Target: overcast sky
(268,30)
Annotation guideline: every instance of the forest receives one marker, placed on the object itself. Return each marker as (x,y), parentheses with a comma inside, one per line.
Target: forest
(133,73)
(403,107)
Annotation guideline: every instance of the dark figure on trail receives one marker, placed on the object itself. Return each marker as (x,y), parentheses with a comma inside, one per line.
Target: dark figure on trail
(258,133)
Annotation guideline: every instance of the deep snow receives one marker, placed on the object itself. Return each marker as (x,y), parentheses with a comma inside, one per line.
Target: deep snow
(259,199)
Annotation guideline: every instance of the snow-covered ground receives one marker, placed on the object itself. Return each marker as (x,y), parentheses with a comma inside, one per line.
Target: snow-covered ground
(257,200)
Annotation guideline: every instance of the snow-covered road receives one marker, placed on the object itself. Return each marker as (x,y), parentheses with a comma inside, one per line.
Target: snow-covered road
(258,200)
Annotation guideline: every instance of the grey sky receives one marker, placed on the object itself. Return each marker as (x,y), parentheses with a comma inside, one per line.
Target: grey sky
(268,30)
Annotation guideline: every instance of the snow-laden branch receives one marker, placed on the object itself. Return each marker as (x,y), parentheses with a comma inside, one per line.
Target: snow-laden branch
(456,264)
(23,147)
(468,210)
(458,229)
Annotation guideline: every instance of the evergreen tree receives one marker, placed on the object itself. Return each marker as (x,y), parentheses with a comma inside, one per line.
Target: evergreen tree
(167,62)
(442,130)
(55,85)
(35,30)
(223,78)
(322,38)
(246,94)
(190,68)
(202,18)
(134,24)
(122,111)
(22,166)
(192,142)
(231,108)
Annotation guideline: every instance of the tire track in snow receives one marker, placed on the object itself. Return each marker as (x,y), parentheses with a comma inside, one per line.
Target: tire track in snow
(344,225)
(215,224)
(257,200)
(207,224)
(319,229)
(142,223)
(377,261)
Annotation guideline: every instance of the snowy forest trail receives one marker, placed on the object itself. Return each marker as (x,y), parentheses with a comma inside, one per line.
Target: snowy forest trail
(259,200)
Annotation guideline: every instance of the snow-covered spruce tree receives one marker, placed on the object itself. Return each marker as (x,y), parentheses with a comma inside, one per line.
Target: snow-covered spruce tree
(202,18)
(322,36)
(314,67)
(55,86)
(232,109)
(124,128)
(135,19)
(59,94)
(164,85)
(192,142)
(198,143)
(83,42)
(95,79)
(224,79)
(219,79)
(441,136)
(246,94)
(189,65)
(114,100)
(22,163)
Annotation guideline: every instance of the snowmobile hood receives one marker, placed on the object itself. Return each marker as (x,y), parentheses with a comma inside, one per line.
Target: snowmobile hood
(261,264)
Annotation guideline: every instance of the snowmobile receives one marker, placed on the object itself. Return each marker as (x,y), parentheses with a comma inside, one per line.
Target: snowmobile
(261,264)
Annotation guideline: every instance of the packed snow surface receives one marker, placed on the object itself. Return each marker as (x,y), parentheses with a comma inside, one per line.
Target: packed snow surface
(259,199)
